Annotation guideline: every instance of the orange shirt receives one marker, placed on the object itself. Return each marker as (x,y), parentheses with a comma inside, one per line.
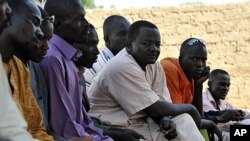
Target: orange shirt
(19,79)
(180,88)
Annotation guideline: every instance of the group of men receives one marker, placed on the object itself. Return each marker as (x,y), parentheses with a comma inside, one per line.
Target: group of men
(55,86)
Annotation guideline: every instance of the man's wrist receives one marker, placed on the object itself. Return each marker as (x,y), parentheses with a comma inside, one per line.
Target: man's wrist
(219,119)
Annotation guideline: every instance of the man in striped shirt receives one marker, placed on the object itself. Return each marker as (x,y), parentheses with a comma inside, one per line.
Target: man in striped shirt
(115,30)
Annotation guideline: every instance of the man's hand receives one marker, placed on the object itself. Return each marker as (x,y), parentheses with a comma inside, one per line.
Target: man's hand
(204,76)
(238,115)
(168,128)
(226,115)
(230,115)
(119,134)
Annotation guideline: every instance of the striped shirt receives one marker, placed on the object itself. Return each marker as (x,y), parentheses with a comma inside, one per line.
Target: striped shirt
(104,56)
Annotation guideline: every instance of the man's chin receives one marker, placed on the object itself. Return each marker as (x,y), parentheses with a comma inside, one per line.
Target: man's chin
(152,61)
(37,58)
(5,24)
(196,76)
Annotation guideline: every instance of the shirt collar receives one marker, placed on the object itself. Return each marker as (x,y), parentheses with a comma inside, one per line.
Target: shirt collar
(64,47)
(107,52)
(209,96)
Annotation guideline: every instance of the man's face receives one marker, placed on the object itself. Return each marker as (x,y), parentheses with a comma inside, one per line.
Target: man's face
(5,13)
(38,54)
(89,50)
(26,30)
(146,46)
(193,62)
(219,86)
(74,26)
(118,35)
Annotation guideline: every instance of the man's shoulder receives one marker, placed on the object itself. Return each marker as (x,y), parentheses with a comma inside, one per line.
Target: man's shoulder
(169,62)
(122,61)
(171,65)
(17,64)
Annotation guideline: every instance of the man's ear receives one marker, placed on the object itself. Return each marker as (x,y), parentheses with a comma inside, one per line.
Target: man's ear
(209,83)
(57,25)
(129,47)
(180,59)
(106,39)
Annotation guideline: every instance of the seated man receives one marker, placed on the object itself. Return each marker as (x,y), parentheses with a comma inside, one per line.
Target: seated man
(90,51)
(12,123)
(67,115)
(186,74)
(185,77)
(216,108)
(130,92)
(115,29)
(26,18)
(35,56)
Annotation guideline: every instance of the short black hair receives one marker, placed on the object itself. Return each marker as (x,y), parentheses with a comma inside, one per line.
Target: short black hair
(58,8)
(215,73)
(184,45)
(16,5)
(135,27)
(218,71)
(43,12)
(107,24)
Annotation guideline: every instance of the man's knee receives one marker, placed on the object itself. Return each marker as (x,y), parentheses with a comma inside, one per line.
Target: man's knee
(185,116)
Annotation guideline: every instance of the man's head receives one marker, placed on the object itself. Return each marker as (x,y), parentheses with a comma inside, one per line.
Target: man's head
(38,54)
(88,48)
(5,13)
(115,29)
(218,83)
(144,42)
(70,23)
(25,32)
(193,57)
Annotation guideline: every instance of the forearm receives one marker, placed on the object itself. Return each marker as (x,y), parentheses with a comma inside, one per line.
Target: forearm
(211,117)
(163,108)
(197,100)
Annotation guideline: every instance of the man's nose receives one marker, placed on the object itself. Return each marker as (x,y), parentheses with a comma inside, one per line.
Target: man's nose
(39,34)
(96,51)
(8,9)
(199,62)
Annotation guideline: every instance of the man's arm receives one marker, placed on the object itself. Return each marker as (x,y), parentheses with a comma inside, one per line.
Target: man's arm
(156,111)
(212,128)
(198,86)
(224,116)
(197,100)
(62,121)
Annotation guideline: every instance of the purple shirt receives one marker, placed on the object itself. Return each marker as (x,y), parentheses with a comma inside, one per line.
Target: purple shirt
(67,116)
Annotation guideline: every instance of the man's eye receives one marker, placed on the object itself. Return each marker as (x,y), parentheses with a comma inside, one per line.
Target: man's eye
(36,22)
(146,43)
(81,18)
(158,44)
(194,59)
(122,33)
